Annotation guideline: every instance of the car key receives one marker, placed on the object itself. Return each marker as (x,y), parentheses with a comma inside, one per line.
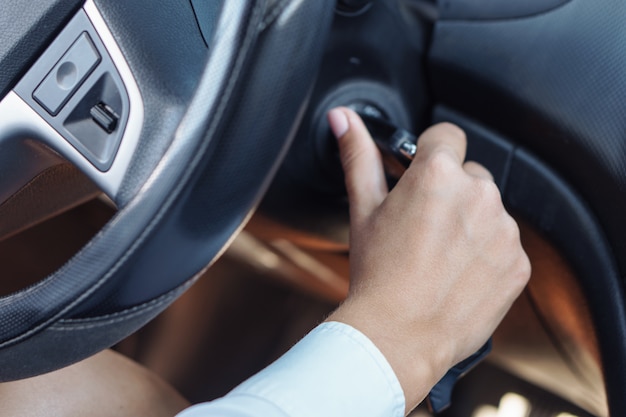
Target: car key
(401,145)
(394,142)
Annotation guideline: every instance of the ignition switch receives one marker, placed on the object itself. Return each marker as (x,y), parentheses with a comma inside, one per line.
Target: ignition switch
(397,145)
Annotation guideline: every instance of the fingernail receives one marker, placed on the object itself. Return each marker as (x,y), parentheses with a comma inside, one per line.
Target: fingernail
(338,122)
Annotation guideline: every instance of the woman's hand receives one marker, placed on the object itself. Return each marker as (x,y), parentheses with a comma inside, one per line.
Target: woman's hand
(436,263)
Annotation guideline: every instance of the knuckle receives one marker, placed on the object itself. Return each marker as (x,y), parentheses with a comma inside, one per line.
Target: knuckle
(489,191)
(511,238)
(520,266)
(486,198)
(511,228)
(440,164)
(527,268)
(523,270)
(450,129)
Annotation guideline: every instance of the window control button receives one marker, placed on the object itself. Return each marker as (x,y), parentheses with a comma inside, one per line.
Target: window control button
(104,116)
(67,75)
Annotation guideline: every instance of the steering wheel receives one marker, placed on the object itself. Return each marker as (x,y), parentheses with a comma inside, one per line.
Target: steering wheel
(179,112)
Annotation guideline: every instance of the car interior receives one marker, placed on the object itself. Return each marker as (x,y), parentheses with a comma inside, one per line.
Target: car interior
(170,188)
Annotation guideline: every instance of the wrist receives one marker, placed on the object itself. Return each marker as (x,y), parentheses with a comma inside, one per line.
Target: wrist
(416,366)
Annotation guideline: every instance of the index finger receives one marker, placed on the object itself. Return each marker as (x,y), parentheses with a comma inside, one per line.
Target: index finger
(442,136)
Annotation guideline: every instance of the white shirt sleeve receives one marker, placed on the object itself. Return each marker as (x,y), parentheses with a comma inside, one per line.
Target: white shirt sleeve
(335,371)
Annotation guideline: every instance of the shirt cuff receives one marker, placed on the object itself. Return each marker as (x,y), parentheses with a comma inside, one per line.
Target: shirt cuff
(335,371)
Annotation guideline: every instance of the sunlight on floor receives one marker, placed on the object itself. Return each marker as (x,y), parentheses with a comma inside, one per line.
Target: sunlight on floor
(511,405)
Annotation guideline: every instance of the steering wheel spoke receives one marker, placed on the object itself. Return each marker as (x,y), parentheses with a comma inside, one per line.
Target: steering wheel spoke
(80,103)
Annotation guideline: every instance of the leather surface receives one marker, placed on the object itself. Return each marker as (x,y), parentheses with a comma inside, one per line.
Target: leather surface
(51,192)
(26,31)
(216,158)
(65,341)
(494,9)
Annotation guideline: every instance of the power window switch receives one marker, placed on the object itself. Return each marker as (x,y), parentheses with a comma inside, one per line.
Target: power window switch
(105,117)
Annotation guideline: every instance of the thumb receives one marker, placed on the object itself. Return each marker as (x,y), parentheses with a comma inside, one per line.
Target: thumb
(361,161)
